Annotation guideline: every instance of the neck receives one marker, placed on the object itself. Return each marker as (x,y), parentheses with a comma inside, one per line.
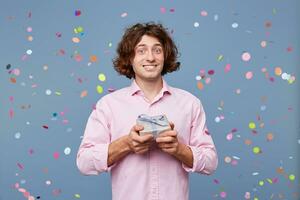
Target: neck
(150,88)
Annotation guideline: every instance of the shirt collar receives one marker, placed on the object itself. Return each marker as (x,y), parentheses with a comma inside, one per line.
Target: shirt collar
(134,88)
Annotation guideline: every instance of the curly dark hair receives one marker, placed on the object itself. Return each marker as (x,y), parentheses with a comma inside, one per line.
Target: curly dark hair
(132,36)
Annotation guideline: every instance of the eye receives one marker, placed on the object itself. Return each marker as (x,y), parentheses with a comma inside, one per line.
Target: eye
(141,51)
(157,50)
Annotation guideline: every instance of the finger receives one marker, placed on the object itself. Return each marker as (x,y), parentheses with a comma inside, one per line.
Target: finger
(144,138)
(166,145)
(137,128)
(165,139)
(172,125)
(168,133)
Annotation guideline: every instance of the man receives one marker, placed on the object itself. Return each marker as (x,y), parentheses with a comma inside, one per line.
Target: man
(142,167)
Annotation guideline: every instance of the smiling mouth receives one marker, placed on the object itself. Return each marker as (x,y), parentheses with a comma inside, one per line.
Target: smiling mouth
(149,67)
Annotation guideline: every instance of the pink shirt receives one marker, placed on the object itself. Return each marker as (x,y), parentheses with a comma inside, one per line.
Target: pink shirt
(156,174)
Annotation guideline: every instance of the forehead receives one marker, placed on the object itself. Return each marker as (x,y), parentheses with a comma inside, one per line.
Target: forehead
(147,40)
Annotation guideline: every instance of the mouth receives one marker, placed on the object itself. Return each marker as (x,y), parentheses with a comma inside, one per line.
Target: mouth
(149,67)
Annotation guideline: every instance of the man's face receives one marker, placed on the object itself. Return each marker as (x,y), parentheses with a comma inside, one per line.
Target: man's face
(148,60)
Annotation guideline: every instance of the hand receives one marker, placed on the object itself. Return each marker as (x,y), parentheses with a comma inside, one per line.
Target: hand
(168,141)
(139,144)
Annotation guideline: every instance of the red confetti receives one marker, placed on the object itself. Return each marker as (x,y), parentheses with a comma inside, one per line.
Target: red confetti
(211,72)
(45,127)
(77,13)
(20,166)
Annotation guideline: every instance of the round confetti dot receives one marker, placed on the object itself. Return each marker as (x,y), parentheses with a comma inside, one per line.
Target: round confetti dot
(292,177)
(223,194)
(216,17)
(264,70)
(270,136)
(198,78)
(285,76)
(101,77)
(48,92)
(77,196)
(256,150)
(247,195)
(246,56)
(252,125)
(263,44)
(29,29)
(18,135)
(45,67)
(248,142)
(229,136)
(77,12)
(16,72)
(207,80)
(196,24)
(261,183)
(124,14)
(255,198)
(48,182)
(29,38)
(249,75)
(235,25)
(110,44)
(238,91)
(200,85)
(55,155)
(99,89)
(227,159)
(75,40)
(278,71)
(263,108)
(203,13)
(67,151)
(29,51)
(227,68)
(93,58)
(217,119)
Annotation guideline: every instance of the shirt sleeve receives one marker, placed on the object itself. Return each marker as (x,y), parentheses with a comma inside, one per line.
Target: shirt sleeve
(93,151)
(205,158)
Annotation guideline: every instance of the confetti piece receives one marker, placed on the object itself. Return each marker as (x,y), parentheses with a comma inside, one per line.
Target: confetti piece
(77,196)
(29,29)
(252,125)
(227,68)
(11,113)
(93,58)
(247,195)
(234,25)
(261,183)
(78,29)
(292,177)
(45,127)
(84,93)
(263,44)
(101,77)
(29,51)
(223,194)
(77,13)
(256,150)
(67,151)
(48,92)
(20,166)
(75,40)
(30,38)
(124,14)
(196,24)
(278,71)
(163,10)
(227,159)
(220,57)
(246,56)
(56,155)
(270,137)
(58,34)
(48,182)
(99,89)
(18,135)
(249,75)
(203,13)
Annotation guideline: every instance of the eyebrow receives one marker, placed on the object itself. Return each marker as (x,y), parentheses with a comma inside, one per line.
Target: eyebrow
(144,45)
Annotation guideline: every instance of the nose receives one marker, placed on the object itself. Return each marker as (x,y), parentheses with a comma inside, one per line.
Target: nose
(150,56)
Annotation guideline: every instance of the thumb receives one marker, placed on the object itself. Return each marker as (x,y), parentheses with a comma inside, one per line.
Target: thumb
(172,125)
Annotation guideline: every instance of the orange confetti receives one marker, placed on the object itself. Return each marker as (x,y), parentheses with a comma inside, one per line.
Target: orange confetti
(248,142)
(93,58)
(270,137)
(84,93)
(13,80)
(278,71)
(200,85)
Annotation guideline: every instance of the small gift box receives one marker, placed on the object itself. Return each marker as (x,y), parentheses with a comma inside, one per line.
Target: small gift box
(153,124)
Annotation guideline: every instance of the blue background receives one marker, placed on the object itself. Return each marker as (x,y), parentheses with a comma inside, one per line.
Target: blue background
(27,148)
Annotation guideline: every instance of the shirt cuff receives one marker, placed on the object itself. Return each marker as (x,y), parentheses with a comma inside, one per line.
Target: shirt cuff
(196,157)
(100,155)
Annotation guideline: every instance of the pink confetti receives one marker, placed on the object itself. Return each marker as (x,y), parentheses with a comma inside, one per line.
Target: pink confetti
(246,56)
(227,68)
(249,75)
(11,99)
(56,155)
(223,194)
(162,9)
(204,13)
(11,113)
(211,72)
(20,166)
(216,181)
